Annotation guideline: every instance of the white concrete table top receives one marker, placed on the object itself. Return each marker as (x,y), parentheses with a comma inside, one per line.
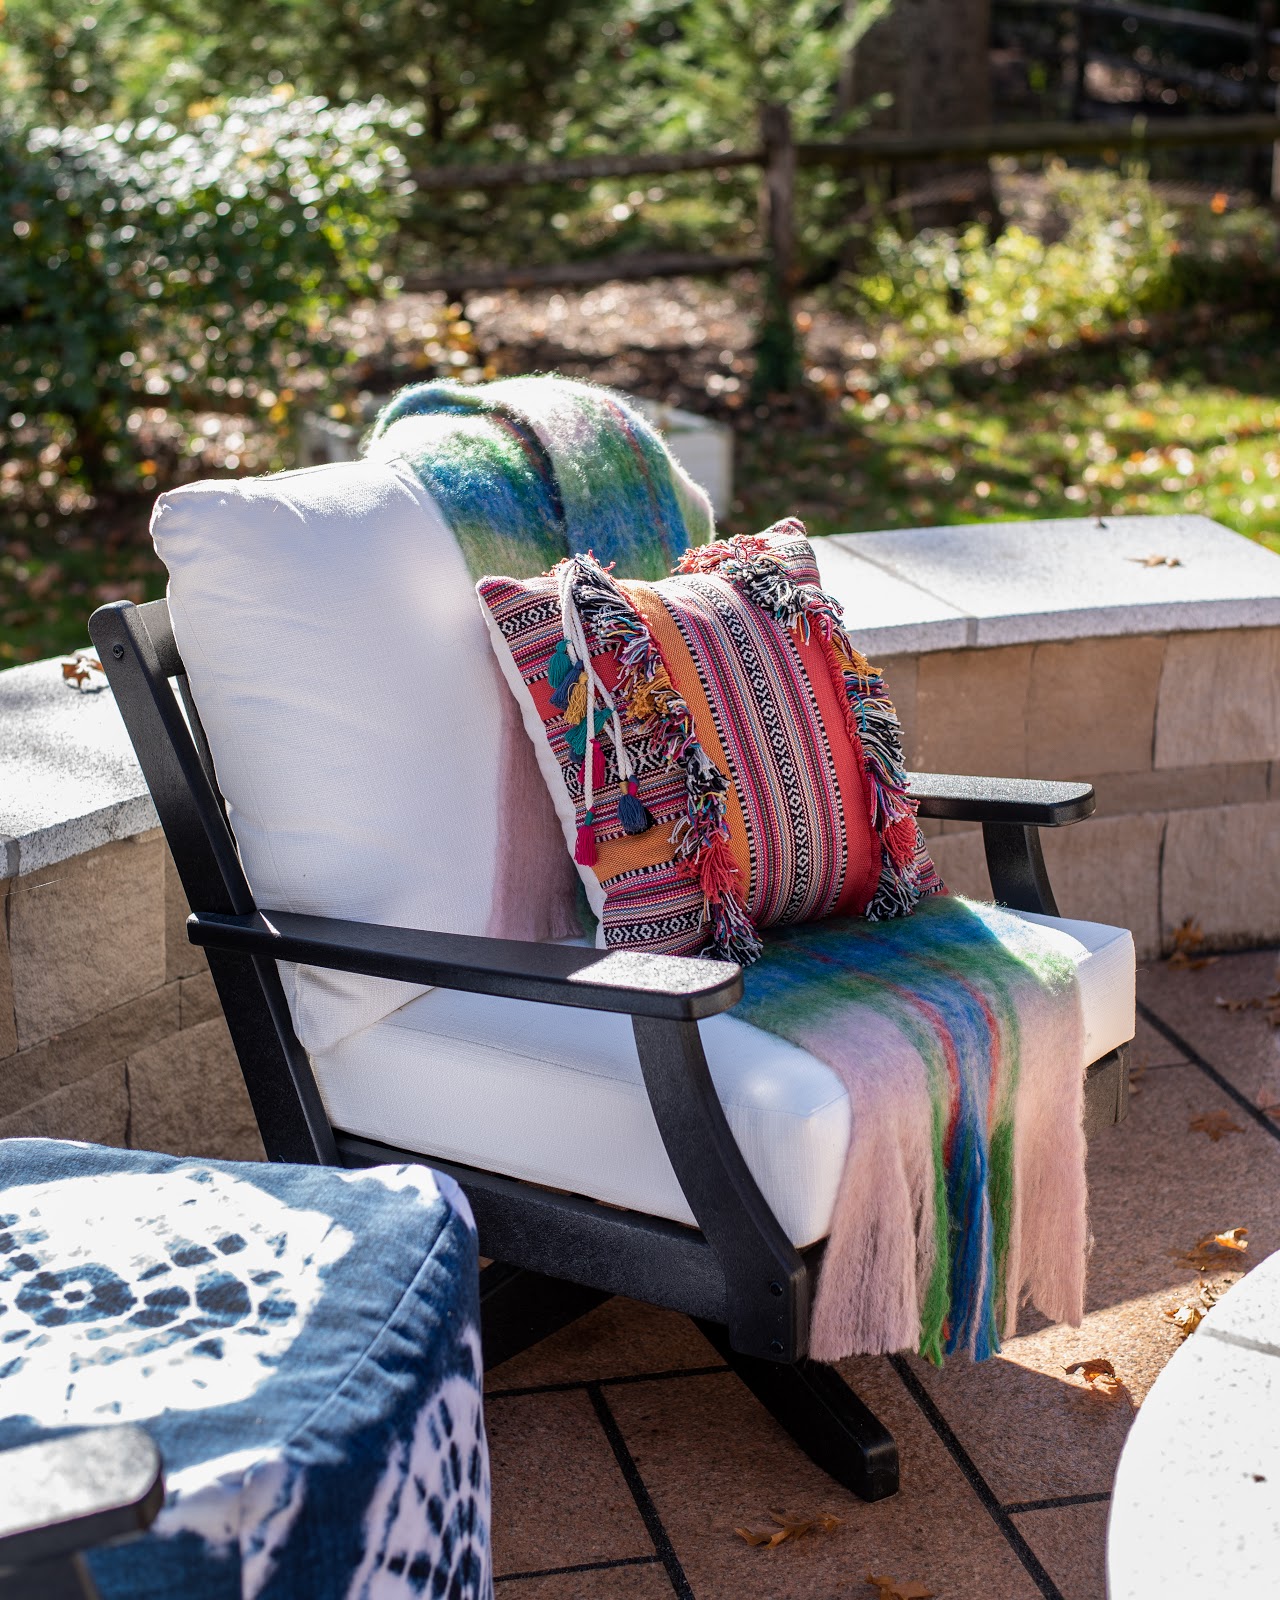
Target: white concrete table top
(993,583)
(1196,1504)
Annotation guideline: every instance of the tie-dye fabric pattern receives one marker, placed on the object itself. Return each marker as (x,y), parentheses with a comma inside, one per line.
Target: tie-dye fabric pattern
(301,1342)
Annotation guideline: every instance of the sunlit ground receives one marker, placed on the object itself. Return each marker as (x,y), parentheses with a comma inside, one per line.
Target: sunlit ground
(1194,429)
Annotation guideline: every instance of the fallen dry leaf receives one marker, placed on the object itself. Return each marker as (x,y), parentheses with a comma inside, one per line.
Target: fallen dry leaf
(1215,1123)
(1155,561)
(1137,1075)
(79,668)
(1100,1376)
(887,1588)
(1188,936)
(1186,1318)
(1213,1250)
(788,1527)
(1268,1004)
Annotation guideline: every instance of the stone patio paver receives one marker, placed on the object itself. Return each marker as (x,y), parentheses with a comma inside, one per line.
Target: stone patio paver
(623,1449)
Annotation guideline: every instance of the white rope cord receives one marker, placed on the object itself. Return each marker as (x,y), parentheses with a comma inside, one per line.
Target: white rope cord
(575,636)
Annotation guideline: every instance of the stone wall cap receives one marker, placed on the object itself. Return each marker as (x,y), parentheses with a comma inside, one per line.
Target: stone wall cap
(1067,578)
(69,780)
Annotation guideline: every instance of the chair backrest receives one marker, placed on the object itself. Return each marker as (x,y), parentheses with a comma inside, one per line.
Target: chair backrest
(370,757)
(137,648)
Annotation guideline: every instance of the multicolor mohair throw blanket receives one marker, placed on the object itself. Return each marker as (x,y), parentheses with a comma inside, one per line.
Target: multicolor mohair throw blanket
(530,470)
(959,1036)
(957,1030)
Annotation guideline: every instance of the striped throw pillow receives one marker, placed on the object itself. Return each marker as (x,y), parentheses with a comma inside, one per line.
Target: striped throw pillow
(721,756)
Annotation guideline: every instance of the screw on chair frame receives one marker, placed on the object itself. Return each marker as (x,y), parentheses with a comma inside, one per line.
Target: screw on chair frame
(737,1272)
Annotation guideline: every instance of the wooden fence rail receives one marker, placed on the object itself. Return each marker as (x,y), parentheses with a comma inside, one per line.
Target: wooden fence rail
(1162,16)
(778,157)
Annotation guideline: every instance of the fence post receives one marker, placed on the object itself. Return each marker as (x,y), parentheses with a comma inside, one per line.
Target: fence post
(777,353)
(1262,176)
(1080,66)
(777,198)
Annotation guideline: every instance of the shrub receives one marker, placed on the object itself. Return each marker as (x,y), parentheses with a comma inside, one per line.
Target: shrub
(1122,253)
(146,262)
(1113,259)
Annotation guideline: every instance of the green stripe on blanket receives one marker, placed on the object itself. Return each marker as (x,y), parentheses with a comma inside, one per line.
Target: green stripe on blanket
(530,470)
(958,1034)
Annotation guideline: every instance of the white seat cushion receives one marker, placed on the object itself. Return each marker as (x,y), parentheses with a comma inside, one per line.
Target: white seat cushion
(555,1095)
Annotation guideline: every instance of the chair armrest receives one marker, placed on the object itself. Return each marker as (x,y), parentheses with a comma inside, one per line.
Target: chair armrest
(640,984)
(60,1496)
(1031,802)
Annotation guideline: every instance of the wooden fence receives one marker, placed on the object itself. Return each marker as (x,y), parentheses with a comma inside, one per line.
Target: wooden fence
(779,156)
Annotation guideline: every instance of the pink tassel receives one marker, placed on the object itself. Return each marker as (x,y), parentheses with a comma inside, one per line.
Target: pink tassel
(584,852)
(597,765)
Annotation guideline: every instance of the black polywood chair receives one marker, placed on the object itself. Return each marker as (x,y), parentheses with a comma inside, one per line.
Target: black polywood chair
(558,1255)
(60,1497)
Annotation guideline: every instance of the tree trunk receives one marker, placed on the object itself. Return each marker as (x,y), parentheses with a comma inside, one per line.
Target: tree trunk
(933,58)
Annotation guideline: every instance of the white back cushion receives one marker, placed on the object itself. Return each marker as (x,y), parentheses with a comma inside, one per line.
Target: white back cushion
(367,748)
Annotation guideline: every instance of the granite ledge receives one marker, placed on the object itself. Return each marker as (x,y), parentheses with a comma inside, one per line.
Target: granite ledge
(981,585)
(69,780)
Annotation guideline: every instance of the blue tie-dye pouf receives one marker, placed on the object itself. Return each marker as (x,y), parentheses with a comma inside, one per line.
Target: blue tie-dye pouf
(301,1342)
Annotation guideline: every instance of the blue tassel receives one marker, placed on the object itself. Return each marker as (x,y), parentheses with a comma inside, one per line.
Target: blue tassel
(562,691)
(560,665)
(632,812)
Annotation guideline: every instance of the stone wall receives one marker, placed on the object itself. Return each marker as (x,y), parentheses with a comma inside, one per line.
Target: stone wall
(1051,649)
(110,1029)
(1178,733)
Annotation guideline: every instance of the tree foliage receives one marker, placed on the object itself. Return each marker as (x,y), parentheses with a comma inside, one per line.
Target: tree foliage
(204,256)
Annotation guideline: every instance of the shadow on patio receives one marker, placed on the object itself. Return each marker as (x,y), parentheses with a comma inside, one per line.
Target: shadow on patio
(625,1454)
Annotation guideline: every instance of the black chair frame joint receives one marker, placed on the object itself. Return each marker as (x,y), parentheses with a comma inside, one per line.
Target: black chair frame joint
(556,1255)
(61,1496)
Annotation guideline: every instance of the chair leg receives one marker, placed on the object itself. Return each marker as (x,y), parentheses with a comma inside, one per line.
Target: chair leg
(814,1404)
(520,1308)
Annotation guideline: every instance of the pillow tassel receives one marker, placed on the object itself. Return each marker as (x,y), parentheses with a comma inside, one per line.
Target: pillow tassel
(576,708)
(561,667)
(584,851)
(597,766)
(564,688)
(632,811)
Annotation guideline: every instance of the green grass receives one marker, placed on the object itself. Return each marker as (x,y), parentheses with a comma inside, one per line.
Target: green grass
(1193,426)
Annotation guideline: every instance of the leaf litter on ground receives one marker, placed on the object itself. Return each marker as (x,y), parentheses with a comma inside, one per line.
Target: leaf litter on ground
(788,1526)
(1187,1316)
(888,1588)
(1215,1123)
(1215,1251)
(1100,1378)
(1188,937)
(1268,1004)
